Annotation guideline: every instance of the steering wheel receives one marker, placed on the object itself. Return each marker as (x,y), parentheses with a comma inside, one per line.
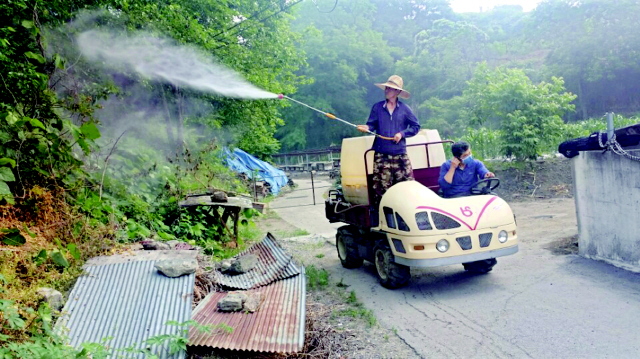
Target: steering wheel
(485,186)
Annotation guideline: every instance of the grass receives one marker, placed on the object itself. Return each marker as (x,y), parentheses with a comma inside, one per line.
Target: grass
(321,255)
(317,278)
(341,284)
(362,313)
(351,299)
(291,233)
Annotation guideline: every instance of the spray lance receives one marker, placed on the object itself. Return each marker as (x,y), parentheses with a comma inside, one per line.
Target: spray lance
(332,116)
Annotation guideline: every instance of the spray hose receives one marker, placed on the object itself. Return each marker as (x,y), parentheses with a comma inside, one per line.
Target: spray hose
(333,117)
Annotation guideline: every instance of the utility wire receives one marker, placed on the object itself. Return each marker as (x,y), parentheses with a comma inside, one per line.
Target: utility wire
(315,2)
(245,21)
(258,12)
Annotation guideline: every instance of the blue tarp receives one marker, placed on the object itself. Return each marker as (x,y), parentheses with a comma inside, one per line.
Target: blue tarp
(240,161)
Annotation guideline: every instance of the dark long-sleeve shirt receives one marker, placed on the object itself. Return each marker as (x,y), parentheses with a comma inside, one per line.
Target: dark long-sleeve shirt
(383,123)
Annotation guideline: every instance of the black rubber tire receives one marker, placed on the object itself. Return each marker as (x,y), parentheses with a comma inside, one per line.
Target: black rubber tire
(347,247)
(390,274)
(481,267)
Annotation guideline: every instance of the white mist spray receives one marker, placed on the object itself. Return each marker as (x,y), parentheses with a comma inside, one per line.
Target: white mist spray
(159,59)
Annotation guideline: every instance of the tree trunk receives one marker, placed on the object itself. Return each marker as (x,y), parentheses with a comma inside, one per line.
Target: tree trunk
(581,97)
(180,142)
(167,117)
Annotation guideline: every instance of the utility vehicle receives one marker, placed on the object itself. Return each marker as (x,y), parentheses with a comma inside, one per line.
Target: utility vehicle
(415,226)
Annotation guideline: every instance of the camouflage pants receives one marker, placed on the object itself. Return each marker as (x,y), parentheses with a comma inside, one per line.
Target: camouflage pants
(389,170)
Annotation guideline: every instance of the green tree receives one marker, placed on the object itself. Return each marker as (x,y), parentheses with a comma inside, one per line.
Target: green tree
(593,45)
(529,115)
(444,59)
(346,56)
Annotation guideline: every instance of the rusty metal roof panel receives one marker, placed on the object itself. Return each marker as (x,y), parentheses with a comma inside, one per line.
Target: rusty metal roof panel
(128,303)
(273,264)
(277,327)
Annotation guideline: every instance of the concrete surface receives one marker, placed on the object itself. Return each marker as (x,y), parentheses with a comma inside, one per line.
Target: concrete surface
(142,255)
(297,207)
(607,193)
(535,304)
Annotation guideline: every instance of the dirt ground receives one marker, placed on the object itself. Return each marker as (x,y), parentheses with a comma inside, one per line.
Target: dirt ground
(548,178)
(339,326)
(346,328)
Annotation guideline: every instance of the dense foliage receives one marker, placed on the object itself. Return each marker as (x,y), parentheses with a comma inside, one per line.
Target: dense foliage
(585,48)
(92,155)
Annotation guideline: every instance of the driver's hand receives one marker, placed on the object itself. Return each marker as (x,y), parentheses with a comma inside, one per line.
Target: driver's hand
(490,175)
(397,137)
(455,162)
(363,128)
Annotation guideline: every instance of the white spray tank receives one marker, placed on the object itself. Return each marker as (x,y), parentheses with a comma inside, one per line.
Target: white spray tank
(352,165)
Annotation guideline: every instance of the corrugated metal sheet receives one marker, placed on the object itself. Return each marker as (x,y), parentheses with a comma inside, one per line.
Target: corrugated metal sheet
(128,302)
(273,264)
(278,326)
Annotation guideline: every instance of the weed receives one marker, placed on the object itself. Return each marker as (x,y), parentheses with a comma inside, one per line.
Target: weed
(316,278)
(291,233)
(341,284)
(351,299)
(321,255)
(362,313)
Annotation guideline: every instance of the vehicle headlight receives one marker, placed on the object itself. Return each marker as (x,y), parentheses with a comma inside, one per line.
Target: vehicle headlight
(502,236)
(442,245)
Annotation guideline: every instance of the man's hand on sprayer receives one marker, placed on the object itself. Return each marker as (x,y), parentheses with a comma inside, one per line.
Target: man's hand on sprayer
(363,128)
(397,137)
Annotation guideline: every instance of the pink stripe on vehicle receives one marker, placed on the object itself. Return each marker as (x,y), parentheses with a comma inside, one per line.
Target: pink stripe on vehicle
(456,217)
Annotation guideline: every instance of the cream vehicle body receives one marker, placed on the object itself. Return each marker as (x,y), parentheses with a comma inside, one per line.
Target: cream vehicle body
(416,227)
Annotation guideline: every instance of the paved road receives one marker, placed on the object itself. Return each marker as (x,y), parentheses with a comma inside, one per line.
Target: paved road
(535,304)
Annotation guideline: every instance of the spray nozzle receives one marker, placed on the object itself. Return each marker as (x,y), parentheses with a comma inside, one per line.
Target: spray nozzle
(280,96)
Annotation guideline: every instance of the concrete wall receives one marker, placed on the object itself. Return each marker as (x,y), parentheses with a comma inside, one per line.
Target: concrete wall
(607,195)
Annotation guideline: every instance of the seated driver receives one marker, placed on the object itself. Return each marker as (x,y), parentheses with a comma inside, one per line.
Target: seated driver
(459,174)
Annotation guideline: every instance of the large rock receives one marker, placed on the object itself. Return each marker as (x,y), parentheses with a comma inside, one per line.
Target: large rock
(52,296)
(226,264)
(253,302)
(181,246)
(243,264)
(219,196)
(173,243)
(177,267)
(155,245)
(233,302)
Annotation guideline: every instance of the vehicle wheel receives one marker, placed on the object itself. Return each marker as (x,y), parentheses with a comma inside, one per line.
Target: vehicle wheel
(483,266)
(391,275)
(347,248)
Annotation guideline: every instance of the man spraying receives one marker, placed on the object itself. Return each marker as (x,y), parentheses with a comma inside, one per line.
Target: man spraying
(395,120)
(460,173)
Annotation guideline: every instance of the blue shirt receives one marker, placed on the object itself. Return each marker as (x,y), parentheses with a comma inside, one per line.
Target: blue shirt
(383,123)
(462,179)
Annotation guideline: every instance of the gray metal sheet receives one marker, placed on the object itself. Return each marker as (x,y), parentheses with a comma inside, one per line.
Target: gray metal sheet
(273,264)
(278,326)
(128,303)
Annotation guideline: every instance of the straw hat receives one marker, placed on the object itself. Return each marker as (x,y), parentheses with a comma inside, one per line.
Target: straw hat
(395,82)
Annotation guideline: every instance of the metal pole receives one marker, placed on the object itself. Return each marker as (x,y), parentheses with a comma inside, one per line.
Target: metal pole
(313,189)
(255,188)
(610,129)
